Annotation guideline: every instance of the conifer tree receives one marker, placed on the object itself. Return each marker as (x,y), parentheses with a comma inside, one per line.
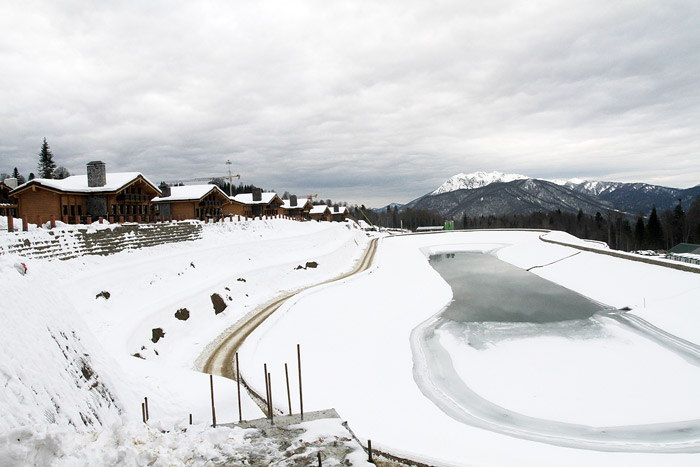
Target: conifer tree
(46,164)
(655,234)
(639,233)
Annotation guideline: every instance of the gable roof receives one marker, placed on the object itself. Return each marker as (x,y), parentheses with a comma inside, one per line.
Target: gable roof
(189,193)
(301,203)
(319,209)
(247,198)
(685,248)
(79,183)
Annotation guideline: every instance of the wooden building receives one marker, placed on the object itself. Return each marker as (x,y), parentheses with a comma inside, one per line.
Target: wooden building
(321,212)
(339,213)
(257,204)
(117,197)
(8,204)
(200,202)
(292,207)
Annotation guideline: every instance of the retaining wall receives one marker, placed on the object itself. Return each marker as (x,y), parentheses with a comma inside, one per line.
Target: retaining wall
(65,244)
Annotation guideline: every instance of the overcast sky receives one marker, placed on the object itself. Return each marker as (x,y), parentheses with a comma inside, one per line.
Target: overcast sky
(365,101)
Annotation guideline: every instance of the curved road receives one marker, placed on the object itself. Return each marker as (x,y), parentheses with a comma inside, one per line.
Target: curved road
(220,362)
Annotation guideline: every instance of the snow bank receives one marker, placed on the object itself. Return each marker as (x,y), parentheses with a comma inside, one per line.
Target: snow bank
(70,328)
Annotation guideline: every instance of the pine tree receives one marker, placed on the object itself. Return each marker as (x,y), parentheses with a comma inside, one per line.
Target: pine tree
(46,164)
(639,233)
(655,234)
(20,178)
(678,224)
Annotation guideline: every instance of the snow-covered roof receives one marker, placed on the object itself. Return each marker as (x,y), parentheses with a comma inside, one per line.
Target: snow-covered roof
(341,210)
(189,193)
(247,198)
(79,183)
(319,209)
(301,202)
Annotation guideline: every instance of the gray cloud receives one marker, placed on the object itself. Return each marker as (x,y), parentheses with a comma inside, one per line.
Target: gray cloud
(365,101)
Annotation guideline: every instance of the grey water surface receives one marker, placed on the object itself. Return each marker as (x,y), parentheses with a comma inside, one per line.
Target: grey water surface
(494,301)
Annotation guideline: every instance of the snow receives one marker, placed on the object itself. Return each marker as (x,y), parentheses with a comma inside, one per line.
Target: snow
(469,181)
(247,198)
(71,384)
(72,391)
(357,354)
(79,183)
(319,209)
(189,192)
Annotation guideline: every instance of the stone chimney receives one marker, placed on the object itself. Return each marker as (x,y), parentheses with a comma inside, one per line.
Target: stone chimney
(11,183)
(96,174)
(257,194)
(336,208)
(293,200)
(165,189)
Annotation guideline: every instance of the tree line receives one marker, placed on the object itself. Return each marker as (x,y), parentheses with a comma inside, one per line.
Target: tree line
(655,231)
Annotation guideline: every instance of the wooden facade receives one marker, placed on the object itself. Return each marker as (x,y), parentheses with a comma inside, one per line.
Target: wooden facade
(201,202)
(321,212)
(8,204)
(72,201)
(258,204)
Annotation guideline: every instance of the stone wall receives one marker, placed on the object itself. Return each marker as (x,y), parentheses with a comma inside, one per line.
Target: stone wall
(66,244)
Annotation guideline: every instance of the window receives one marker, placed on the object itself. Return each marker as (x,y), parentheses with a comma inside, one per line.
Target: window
(65,210)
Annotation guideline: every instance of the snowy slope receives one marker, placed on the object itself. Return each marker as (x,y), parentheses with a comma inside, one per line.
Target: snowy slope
(66,361)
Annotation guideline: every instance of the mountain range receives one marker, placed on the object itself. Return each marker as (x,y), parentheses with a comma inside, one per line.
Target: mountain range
(496,193)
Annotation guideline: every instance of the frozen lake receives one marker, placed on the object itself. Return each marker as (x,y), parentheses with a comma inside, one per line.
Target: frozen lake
(520,355)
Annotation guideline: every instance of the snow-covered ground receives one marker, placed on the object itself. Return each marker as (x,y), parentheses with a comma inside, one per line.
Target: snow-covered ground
(66,349)
(358,356)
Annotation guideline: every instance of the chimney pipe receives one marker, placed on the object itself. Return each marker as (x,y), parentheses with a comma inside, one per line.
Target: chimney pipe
(257,194)
(11,182)
(165,189)
(293,200)
(96,174)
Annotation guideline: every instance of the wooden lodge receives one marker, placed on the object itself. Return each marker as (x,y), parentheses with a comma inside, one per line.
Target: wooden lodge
(339,213)
(200,202)
(294,208)
(8,204)
(256,204)
(321,212)
(117,197)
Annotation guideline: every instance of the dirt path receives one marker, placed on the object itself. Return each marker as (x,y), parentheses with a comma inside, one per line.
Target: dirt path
(220,362)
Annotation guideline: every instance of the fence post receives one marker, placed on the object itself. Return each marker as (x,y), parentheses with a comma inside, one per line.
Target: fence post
(238,381)
(369,450)
(145,401)
(10,223)
(301,396)
(289,395)
(213,410)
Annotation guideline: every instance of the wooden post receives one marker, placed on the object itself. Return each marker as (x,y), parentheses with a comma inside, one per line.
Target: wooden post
(25,225)
(143,412)
(301,397)
(272,413)
(267,390)
(145,401)
(289,395)
(190,419)
(53,221)
(10,223)
(369,450)
(89,220)
(213,410)
(319,459)
(238,381)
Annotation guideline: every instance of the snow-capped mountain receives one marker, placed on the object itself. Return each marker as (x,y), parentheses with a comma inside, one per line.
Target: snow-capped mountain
(496,193)
(473,180)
